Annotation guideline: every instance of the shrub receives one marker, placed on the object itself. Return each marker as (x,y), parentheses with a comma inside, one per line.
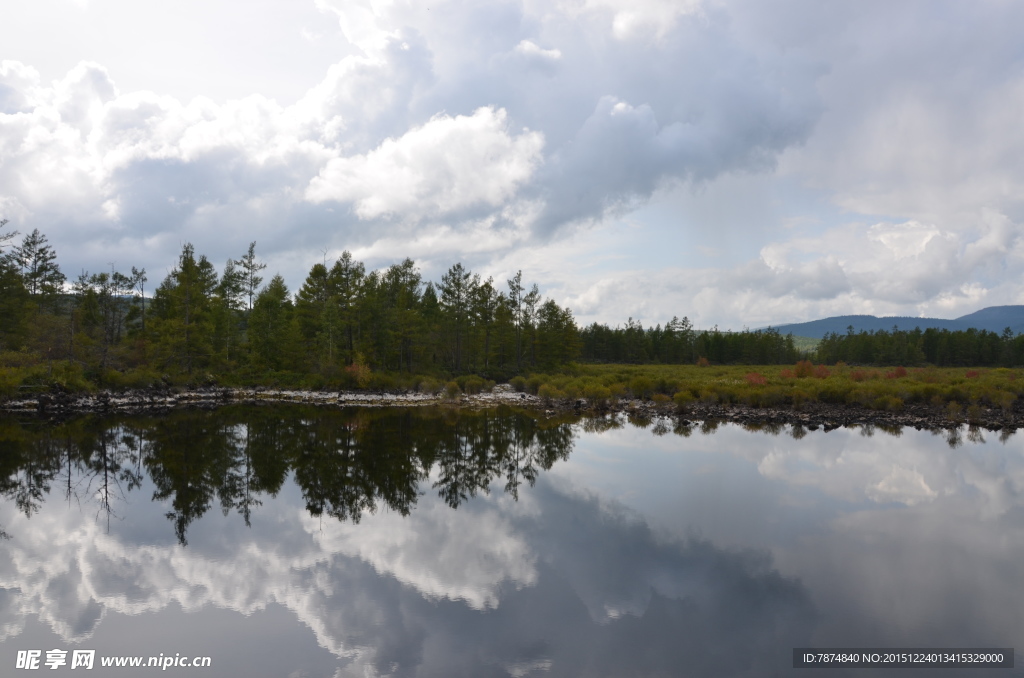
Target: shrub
(683,400)
(834,392)
(804,368)
(9,381)
(772,397)
(451,390)
(430,387)
(381,382)
(641,387)
(974,414)
(618,390)
(798,397)
(821,372)
(755,379)
(597,395)
(549,393)
(972,374)
(786,373)
(533,384)
(518,383)
(1005,400)
(897,373)
(858,375)
(358,374)
(889,403)
(702,362)
(472,385)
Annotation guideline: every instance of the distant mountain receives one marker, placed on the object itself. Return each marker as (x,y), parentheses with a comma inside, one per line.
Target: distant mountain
(993,319)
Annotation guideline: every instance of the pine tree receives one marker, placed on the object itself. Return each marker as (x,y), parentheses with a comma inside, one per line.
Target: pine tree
(251,268)
(182,307)
(347,278)
(273,333)
(14,297)
(458,289)
(39,266)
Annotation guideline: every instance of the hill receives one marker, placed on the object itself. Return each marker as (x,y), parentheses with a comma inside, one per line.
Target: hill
(993,319)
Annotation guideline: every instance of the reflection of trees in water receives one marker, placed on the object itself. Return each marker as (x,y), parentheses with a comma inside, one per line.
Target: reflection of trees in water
(87,458)
(346,462)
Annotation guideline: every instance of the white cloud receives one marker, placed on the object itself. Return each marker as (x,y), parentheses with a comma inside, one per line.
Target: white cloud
(512,125)
(448,165)
(634,18)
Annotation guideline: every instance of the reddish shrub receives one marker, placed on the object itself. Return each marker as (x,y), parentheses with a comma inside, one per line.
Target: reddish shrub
(804,368)
(858,375)
(786,374)
(821,372)
(702,362)
(755,379)
(896,373)
(973,374)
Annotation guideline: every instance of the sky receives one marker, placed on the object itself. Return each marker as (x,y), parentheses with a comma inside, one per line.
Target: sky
(738,162)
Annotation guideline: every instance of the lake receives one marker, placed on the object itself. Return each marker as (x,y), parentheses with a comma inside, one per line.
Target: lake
(303,542)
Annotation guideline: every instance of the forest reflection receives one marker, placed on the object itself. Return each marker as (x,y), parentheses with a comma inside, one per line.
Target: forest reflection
(346,462)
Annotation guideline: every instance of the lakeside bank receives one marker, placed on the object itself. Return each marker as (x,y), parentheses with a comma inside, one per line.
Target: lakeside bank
(810,416)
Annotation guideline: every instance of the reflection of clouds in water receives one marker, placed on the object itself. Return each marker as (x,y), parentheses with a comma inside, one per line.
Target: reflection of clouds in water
(915,467)
(556,584)
(909,469)
(932,573)
(943,567)
(462,555)
(903,485)
(898,540)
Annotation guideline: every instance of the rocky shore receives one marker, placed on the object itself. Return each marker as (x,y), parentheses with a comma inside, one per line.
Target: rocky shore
(810,416)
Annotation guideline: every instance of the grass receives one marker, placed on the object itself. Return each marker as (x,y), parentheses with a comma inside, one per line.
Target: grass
(953,390)
(880,388)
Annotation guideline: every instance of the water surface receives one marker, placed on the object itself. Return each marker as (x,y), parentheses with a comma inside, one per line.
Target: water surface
(295,541)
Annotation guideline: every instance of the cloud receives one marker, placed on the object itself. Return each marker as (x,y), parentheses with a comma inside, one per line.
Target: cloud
(586,578)
(910,268)
(445,166)
(510,117)
(519,126)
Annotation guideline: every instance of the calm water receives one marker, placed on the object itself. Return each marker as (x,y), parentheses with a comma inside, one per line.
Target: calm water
(291,541)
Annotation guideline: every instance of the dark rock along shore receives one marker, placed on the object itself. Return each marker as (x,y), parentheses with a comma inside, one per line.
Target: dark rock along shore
(810,416)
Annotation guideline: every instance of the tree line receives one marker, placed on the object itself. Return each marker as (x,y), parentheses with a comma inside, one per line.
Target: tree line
(345,324)
(939,347)
(344,321)
(679,343)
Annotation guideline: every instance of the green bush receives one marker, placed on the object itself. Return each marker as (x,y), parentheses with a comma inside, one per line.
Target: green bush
(641,387)
(10,379)
(549,393)
(888,403)
(974,414)
(472,385)
(430,387)
(451,390)
(518,383)
(683,400)
(597,395)
(533,384)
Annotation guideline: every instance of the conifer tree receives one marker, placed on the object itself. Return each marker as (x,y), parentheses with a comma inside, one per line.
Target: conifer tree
(272,329)
(39,266)
(347,278)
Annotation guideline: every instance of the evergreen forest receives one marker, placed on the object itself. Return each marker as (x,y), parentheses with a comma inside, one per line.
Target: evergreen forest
(349,327)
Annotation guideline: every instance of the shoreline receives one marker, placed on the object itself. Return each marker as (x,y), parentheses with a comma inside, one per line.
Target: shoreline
(810,416)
